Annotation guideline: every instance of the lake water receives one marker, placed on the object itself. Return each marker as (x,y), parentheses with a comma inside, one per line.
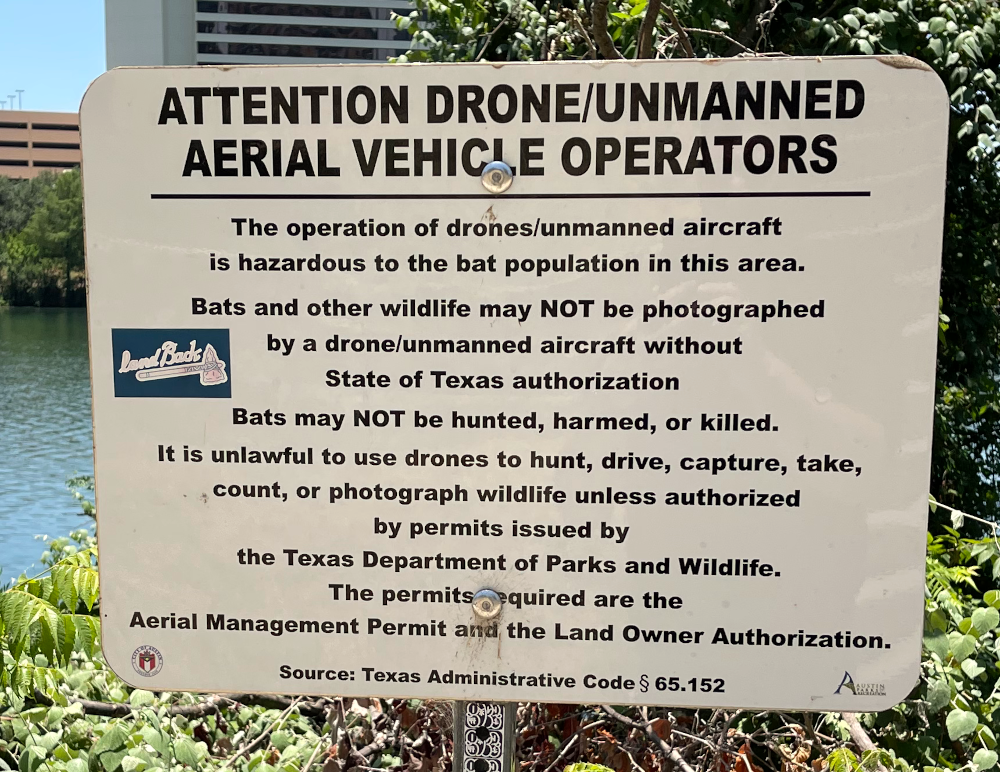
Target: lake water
(45,431)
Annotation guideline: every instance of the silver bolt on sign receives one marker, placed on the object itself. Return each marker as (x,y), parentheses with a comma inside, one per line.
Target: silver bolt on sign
(484,736)
(486,605)
(497,177)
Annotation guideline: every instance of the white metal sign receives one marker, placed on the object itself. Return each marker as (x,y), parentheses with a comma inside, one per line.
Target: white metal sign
(668,393)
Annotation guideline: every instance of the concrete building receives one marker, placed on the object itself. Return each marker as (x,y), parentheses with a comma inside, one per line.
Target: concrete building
(157,32)
(32,143)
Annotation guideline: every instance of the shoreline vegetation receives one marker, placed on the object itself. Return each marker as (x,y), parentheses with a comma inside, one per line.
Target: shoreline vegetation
(41,241)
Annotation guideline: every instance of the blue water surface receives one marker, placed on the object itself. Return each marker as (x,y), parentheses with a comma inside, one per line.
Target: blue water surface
(45,429)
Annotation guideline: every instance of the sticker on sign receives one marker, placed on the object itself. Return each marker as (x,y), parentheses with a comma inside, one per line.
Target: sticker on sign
(561,382)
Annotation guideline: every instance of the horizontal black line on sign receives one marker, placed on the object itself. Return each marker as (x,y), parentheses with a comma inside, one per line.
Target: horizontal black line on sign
(463,196)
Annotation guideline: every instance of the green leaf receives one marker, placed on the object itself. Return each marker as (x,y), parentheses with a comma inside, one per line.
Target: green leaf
(155,738)
(132,764)
(938,695)
(960,723)
(984,759)
(113,739)
(852,21)
(140,698)
(584,767)
(972,668)
(992,598)
(961,645)
(186,752)
(32,759)
(281,739)
(937,25)
(987,112)
(112,760)
(865,47)
(985,619)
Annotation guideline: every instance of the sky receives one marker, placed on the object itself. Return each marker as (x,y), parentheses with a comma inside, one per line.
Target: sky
(52,50)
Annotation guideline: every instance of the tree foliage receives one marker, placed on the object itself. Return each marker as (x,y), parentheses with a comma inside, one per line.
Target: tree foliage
(19,199)
(958,38)
(41,240)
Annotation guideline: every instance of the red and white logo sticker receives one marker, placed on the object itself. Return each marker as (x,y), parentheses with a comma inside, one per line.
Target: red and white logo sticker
(147,661)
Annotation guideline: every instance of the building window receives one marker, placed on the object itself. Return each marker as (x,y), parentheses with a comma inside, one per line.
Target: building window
(274,49)
(301,31)
(57,145)
(54,127)
(294,9)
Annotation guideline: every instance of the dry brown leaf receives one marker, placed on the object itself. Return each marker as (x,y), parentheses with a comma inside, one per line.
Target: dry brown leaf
(744,761)
(795,759)
(662,728)
(332,764)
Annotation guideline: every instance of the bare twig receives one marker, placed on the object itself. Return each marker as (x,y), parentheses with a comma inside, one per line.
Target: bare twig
(265,734)
(675,23)
(489,37)
(668,750)
(198,710)
(860,736)
(661,49)
(745,35)
(586,38)
(708,743)
(645,48)
(722,35)
(312,758)
(764,21)
(569,743)
(600,22)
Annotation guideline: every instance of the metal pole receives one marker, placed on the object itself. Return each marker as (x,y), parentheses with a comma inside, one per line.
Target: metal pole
(18,91)
(484,736)
(484,731)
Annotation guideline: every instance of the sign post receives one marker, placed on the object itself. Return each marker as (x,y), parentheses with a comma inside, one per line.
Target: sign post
(569,383)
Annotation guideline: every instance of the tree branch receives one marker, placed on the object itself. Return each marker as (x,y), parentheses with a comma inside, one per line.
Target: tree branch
(199,710)
(722,35)
(600,23)
(489,37)
(586,38)
(860,736)
(668,750)
(745,36)
(568,744)
(685,40)
(645,48)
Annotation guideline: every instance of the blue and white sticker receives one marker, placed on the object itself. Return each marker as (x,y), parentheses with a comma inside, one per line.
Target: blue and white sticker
(171,363)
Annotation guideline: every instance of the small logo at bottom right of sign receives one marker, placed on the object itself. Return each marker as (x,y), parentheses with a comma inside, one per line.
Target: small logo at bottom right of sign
(859,689)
